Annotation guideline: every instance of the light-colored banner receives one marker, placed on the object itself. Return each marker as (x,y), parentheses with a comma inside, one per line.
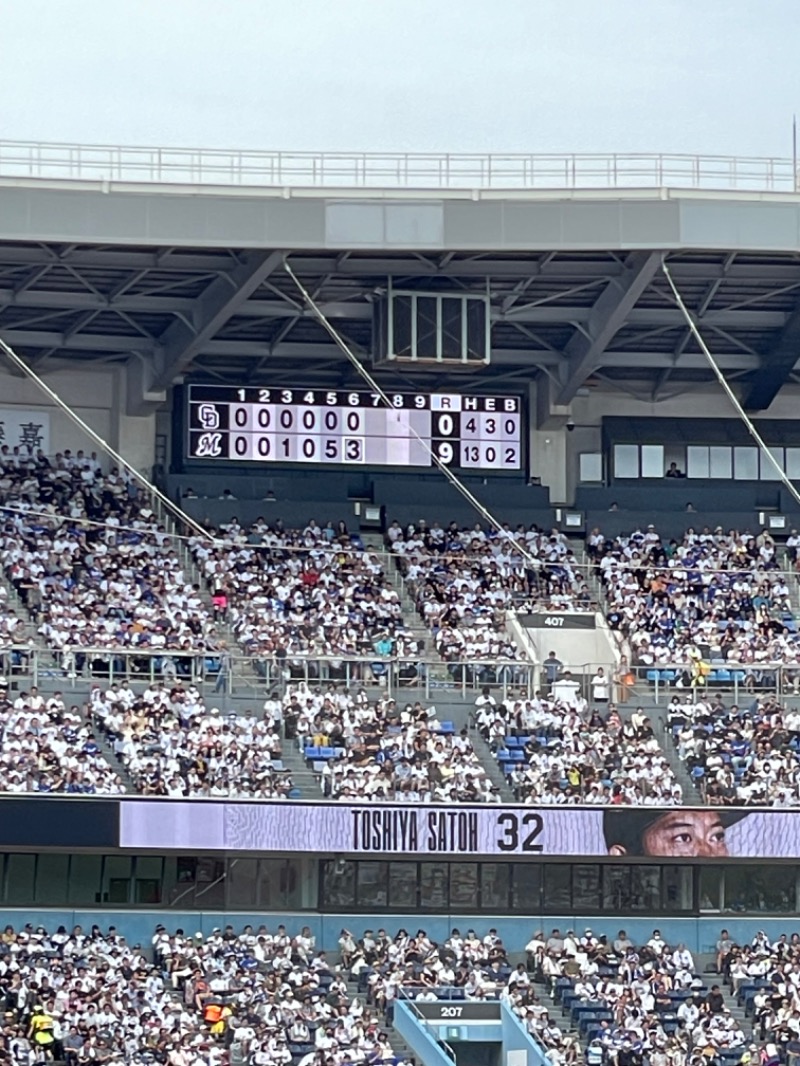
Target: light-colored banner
(21,427)
(451,832)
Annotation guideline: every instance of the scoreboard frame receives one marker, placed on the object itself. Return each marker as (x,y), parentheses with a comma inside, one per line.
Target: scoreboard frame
(347,446)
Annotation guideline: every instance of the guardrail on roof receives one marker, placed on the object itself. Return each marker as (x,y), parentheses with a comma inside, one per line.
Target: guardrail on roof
(395,170)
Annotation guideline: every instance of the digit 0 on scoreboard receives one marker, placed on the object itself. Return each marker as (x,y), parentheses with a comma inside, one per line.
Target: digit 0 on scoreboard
(324,426)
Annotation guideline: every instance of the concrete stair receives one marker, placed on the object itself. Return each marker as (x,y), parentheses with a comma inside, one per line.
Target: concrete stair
(303,777)
(703,967)
(29,637)
(557,1014)
(658,716)
(793,581)
(705,964)
(578,546)
(105,745)
(411,617)
(496,775)
(247,677)
(28,627)
(399,1046)
(437,668)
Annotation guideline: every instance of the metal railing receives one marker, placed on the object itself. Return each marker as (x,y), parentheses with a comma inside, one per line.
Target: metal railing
(407,679)
(395,170)
(248,676)
(425,1024)
(662,681)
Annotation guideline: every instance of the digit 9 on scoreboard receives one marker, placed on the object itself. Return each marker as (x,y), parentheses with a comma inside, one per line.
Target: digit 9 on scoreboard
(446,436)
(344,427)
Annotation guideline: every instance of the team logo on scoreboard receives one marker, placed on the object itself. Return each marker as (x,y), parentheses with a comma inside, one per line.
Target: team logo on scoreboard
(209,446)
(405,430)
(208,416)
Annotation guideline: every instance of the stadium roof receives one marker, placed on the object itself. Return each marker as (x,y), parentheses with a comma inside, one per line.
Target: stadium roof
(108,270)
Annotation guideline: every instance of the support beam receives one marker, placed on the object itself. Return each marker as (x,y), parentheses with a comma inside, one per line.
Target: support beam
(185,339)
(81,342)
(89,301)
(553,313)
(530,359)
(613,305)
(776,366)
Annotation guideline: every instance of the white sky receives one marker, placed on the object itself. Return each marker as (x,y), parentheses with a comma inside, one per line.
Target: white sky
(698,76)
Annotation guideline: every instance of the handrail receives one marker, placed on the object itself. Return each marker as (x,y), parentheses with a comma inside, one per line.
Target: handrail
(423,1021)
(398,170)
(143,653)
(394,675)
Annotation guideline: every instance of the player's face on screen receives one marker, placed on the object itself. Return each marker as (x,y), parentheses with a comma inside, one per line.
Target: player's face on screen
(684,833)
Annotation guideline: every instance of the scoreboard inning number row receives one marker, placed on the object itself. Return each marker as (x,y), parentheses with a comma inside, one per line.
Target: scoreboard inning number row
(332,426)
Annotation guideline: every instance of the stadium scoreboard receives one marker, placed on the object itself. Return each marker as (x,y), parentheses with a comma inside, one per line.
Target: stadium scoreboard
(279,425)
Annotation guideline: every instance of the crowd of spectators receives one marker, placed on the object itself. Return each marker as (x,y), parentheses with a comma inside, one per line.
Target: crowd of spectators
(172,744)
(304,593)
(464,580)
(413,965)
(257,997)
(557,750)
(90,561)
(720,595)
(633,1003)
(13,636)
(745,755)
(260,996)
(615,1002)
(764,976)
(264,995)
(46,746)
(378,750)
(11,625)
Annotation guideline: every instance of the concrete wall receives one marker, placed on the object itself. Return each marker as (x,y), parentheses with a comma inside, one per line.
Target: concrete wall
(519,1047)
(97,395)
(592,405)
(576,648)
(710,402)
(328,495)
(699,934)
(419,1037)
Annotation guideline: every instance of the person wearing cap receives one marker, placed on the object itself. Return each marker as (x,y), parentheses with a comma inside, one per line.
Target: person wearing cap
(588,941)
(681,832)
(41,1031)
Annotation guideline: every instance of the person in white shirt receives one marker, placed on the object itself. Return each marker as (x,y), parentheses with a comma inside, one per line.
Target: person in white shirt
(682,958)
(566,689)
(601,686)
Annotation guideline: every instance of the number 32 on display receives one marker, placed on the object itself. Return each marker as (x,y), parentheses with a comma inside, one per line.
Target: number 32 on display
(520,832)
